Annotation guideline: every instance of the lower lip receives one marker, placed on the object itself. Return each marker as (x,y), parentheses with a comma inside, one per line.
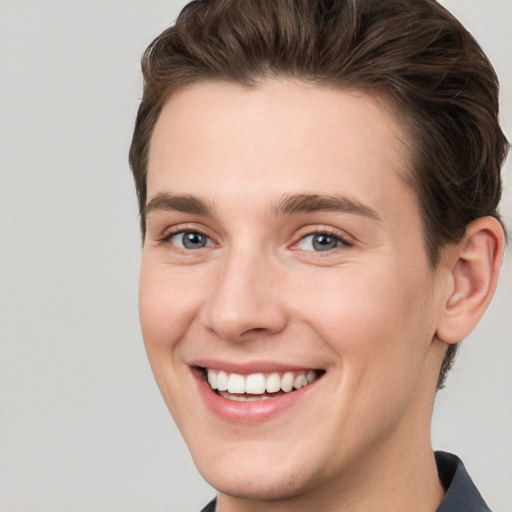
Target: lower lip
(248,412)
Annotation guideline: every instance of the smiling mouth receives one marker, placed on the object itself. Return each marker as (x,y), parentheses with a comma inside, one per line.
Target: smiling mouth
(258,386)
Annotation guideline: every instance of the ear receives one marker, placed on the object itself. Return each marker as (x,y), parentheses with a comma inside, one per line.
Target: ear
(474,265)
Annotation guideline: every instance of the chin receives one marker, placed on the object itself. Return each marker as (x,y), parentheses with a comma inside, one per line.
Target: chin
(262,485)
(256,477)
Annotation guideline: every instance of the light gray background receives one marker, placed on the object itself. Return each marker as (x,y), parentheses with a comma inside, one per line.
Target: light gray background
(82,425)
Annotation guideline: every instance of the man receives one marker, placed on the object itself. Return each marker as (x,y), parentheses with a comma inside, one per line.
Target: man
(318,185)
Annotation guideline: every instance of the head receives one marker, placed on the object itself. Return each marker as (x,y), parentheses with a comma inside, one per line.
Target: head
(412,55)
(406,64)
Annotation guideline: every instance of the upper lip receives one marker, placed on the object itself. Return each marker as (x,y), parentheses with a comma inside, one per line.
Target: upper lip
(246,368)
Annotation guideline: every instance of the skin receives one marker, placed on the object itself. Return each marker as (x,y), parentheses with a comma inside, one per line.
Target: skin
(367,311)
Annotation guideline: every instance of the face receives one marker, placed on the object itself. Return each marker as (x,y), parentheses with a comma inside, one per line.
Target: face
(286,300)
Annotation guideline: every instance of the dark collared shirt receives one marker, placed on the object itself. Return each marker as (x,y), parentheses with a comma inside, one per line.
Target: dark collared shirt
(461,493)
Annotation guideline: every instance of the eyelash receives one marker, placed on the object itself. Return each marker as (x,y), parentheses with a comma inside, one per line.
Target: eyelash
(343,242)
(182,230)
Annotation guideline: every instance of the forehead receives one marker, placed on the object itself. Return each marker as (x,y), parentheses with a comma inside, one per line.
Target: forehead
(279,137)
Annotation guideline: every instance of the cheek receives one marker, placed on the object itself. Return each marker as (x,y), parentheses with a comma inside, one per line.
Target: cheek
(373,320)
(167,308)
(168,303)
(378,329)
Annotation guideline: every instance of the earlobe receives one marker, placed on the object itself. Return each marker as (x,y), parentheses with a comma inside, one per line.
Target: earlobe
(474,266)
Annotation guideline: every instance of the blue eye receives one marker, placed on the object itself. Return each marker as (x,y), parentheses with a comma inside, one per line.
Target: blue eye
(320,242)
(190,240)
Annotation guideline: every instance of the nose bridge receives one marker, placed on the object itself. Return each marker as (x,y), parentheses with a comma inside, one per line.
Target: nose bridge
(245,297)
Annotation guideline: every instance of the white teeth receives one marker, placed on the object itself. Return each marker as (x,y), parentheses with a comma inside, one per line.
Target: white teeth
(222,381)
(256,383)
(236,383)
(300,381)
(287,382)
(243,398)
(273,383)
(212,379)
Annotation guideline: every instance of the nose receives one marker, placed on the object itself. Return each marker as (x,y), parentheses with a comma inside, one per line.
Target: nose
(246,299)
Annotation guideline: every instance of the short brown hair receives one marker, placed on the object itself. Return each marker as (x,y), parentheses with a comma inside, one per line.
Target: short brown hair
(412,53)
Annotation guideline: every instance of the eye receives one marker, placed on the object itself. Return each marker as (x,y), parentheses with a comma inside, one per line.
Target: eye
(320,242)
(190,240)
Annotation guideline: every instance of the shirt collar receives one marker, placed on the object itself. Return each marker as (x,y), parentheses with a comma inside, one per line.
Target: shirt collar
(461,493)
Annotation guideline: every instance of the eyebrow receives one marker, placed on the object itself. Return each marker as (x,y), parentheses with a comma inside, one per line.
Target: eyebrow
(289,204)
(308,203)
(181,203)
